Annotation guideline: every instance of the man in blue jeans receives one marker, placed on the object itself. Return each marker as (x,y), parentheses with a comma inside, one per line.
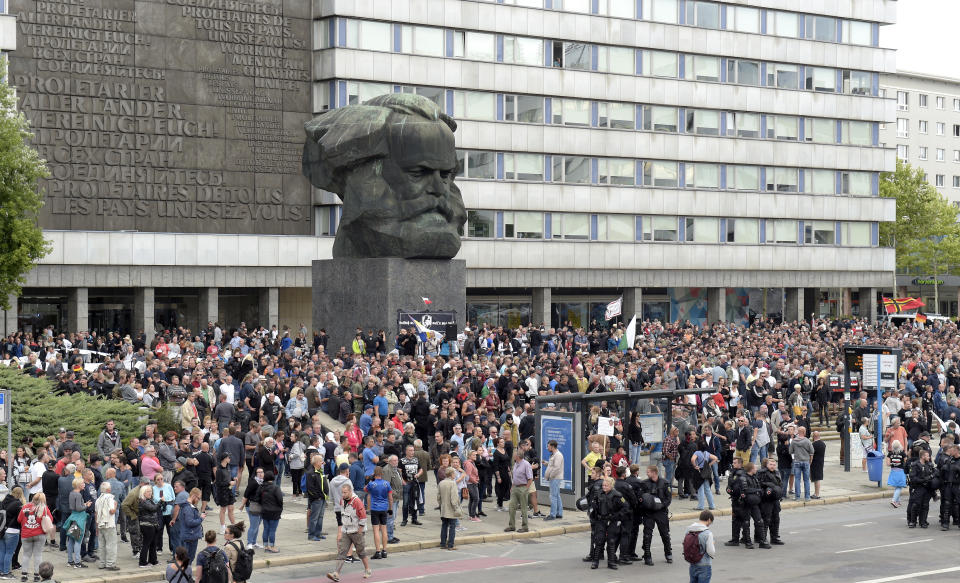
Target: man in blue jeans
(802,451)
(554,474)
(318,490)
(702,570)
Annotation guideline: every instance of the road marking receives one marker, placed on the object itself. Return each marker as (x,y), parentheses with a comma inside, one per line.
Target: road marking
(454,567)
(858,524)
(912,575)
(912,542)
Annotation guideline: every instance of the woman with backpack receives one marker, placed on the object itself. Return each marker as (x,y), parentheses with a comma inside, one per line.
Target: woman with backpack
(702,473)
(271,506)
(179,570)
(36,522)
(251,501)
(239,558)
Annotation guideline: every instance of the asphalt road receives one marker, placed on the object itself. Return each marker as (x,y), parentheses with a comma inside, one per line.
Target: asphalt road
(859,542)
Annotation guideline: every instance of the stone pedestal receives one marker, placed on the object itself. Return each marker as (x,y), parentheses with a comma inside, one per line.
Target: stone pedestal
(348,293)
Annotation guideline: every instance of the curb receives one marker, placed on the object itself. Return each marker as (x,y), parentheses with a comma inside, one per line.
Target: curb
(478,539)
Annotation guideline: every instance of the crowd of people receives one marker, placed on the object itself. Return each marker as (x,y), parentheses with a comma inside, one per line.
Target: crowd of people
(248,404)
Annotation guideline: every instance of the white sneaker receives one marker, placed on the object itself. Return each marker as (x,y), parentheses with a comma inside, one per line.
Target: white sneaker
(258,545)
(223,528)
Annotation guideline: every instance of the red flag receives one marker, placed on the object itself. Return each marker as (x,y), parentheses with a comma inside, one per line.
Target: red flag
(426,301)
(893,306)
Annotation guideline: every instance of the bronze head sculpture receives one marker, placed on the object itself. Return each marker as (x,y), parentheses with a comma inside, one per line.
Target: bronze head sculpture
(392,162)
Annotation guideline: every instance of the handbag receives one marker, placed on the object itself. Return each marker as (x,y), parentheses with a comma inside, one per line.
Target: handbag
(75,532)
(46,524)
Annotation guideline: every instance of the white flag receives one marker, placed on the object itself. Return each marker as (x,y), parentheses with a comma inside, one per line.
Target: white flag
(614,308)
(632,332)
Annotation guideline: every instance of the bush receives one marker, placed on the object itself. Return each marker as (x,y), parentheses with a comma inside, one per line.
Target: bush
(39,411)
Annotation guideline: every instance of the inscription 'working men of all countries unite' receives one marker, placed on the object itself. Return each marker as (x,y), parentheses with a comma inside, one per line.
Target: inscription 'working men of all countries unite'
(117,146)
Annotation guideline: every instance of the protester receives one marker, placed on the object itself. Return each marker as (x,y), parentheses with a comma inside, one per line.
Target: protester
(350,532)
(701,569)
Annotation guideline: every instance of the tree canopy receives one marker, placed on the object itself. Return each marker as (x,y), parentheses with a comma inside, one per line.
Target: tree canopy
(21,167)
(926,234)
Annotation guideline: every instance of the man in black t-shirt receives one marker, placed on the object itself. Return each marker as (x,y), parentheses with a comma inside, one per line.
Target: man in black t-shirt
(410,471)
(204,471)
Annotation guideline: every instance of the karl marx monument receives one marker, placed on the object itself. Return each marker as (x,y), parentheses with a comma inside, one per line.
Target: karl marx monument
(392,162)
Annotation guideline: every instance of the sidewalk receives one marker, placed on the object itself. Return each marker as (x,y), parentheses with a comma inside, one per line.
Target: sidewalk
(837,487)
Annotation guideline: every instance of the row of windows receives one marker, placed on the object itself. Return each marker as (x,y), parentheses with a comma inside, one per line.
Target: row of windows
(535,109)
(527,167)
(903,152)
(721,16)
(489,47)
(626,228)
(903,101)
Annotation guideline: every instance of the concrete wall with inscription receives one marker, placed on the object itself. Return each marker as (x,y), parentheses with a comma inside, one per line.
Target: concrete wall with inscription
(168,115)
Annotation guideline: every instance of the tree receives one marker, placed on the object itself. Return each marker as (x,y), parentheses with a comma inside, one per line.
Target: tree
(21,167)
(926,234)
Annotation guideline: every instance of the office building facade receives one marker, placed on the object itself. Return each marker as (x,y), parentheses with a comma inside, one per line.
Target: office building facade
(702,160)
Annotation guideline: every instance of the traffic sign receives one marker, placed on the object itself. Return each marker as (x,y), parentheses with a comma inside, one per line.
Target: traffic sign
(4,409)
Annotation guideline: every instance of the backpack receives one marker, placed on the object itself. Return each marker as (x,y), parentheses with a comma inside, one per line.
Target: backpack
(243,567)
(692,552)
(215,569)
(3,520)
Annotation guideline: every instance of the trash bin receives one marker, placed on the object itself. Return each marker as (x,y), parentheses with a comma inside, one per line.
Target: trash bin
(875,466)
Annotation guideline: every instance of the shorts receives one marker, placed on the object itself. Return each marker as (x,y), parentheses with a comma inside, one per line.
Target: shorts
(339,518)
(532,487)
(206,490)
(343,545)
(378,517)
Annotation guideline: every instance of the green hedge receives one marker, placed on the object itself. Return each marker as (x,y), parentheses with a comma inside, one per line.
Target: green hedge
(39,411)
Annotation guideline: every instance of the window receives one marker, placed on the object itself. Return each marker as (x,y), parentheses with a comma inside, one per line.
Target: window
(903,151)
(573,5)
(743,125)
(702,175)
(617,115)
(702,230)
(575,55)
(743,231)
(743,177)
(703,14)
(659,64)
(527,3)
(819,130)
(938,178)
(743,19)
(855,234)
(571,226)
(661,10)
(923,99)
(478,165)
(956,105)
(571,169)
(821,79)
(358,92)
(856,32)
(956,130)
(617,60)
(520,50)
(523,225)
(475,105)
(940,102)
(475,45)
(620,171)
(660,174)
(423,40)
(819,233)
(321,32)
(783,23)
(941,128)
(616,228)
(820,182)
(618,8)
(524,167)
(781,231)
(821,28)
(857,133)
(702,68)
(922,152)
(956,155)
(660,119)
(903,128)
(940,154)
(855,183)
(743,72)
(857,82)
(782,127)
(956,181)
(783,76)
(571,112)
(704,122)
(434,94)
(325,220)
(368,35)
(481,224)
(660,229)
(782,179)
(903,101)
(523,108)
(922,126)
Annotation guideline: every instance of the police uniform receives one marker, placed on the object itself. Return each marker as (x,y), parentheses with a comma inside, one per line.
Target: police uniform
(636,485)
(611,509)
(922,477)
(949,491)
(751,496)
(594,489)
(657,515)
(772,485)
(626,524)
(738,509)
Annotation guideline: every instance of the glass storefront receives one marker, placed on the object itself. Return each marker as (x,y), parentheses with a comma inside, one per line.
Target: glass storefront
(39,308)
(496,312)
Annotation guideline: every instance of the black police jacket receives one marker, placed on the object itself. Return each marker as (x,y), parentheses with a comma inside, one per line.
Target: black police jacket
(660,489)
(612,506)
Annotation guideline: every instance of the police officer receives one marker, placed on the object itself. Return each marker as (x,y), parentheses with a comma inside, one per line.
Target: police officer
(656,498)
(750,495)
(950,489)
(923,479)
(612,507)
(636,484)
(737,507)
(772,485)
(593,490)
(626,525)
